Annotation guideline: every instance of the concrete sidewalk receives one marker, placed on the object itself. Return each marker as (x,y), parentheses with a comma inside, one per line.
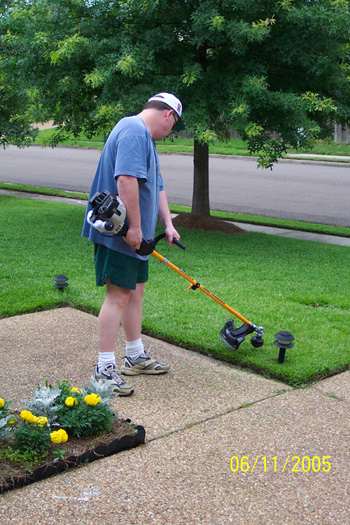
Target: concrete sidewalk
(201,419)
(295,234)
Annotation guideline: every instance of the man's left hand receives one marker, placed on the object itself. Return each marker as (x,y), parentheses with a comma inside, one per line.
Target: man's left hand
(170,234)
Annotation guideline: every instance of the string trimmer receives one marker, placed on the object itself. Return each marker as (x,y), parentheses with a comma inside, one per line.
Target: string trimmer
(108,214)
(231,335)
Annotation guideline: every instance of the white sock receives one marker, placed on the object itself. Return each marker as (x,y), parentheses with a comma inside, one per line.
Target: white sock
(134,348)
(105,358)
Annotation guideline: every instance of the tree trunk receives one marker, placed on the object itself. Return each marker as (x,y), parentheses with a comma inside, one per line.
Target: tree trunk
(200,197)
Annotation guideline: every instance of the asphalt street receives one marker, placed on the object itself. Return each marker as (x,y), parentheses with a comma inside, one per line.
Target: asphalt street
(308,191)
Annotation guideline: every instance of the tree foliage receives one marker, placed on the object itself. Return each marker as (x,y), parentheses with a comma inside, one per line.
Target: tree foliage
(278,71)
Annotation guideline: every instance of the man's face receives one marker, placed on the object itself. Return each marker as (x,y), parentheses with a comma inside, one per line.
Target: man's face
(167,121)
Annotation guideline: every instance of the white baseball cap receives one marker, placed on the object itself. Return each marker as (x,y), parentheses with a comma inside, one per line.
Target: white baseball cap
(170,100)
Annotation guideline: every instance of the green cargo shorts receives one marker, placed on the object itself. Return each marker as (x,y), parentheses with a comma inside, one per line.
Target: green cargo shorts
(122,270)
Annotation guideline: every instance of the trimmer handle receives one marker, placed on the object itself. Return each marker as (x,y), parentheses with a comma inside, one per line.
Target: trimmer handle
(179,244)
(175,241)
(147,247)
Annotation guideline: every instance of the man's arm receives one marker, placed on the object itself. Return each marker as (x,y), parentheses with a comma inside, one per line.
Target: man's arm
(128,189)
(165,218)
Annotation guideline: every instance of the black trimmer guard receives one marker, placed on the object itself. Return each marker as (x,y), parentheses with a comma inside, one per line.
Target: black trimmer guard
(233,336)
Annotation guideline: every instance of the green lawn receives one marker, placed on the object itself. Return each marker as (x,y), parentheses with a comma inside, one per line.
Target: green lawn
(181,145)
(326,229)
(282,284)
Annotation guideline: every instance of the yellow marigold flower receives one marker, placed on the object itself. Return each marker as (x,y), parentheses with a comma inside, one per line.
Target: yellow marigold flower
(24,414)
(75,389)
(55,437)
(41,421)
(71,401)
(64,435)
(92,399)
(2,402)
(28,416)
(59,436)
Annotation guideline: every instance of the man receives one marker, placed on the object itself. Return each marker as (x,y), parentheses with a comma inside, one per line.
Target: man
(129,167)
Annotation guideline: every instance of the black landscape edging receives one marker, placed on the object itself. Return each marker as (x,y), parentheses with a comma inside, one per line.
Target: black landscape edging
(61,465)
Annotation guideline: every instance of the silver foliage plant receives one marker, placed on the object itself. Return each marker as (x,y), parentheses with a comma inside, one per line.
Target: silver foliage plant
(4,428)
(43,403)
(100,388)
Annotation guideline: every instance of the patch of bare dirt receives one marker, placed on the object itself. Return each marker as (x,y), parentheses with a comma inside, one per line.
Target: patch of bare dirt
(198,222)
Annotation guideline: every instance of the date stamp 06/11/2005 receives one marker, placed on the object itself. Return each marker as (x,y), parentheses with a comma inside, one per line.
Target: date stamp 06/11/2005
(274,464)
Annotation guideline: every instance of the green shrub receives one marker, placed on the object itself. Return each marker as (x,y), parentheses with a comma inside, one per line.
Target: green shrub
(31,437)
(83,419)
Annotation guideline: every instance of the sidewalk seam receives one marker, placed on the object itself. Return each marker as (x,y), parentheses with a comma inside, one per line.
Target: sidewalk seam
(331,394)
(211,418)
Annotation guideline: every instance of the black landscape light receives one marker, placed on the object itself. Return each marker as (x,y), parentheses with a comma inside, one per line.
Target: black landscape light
(284,341)
(60,282)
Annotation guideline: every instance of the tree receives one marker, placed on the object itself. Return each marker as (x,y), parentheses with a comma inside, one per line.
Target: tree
(14,100)
(276,71)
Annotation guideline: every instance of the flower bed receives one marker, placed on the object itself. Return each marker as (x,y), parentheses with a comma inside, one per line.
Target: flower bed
(60,428)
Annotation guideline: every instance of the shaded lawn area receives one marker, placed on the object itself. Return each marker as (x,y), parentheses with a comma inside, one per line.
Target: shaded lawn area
(282,284)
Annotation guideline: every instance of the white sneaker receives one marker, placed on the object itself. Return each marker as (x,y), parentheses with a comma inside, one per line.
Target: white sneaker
(143,364)
(110,374)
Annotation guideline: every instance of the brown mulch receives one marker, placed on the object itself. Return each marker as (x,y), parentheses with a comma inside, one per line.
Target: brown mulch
(12,471)
(198,222)
(76,446)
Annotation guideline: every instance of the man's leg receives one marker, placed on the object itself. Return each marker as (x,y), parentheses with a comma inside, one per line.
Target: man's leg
(137,361)
(110,315)
(131,316)
(108,327)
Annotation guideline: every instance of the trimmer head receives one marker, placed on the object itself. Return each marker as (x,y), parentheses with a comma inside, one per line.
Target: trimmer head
(233,336)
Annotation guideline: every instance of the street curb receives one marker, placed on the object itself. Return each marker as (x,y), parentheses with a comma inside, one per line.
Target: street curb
(290,160)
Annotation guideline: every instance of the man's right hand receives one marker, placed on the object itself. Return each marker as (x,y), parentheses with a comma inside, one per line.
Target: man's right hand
(134,237)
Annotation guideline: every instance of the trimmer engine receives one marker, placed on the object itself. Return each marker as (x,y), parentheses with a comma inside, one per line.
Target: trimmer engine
(109,209)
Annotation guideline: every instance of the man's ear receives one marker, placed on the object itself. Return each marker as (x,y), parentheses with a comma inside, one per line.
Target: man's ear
(169,114)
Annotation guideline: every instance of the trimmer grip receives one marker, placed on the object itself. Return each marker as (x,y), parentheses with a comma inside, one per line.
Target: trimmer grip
(148,246)
(179,244)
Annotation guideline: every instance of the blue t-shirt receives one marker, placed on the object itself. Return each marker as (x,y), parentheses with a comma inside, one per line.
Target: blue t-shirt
(129,150)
